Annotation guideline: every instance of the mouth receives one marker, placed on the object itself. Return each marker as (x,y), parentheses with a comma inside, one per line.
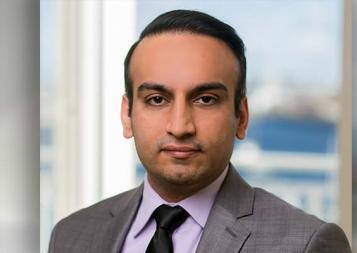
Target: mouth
(180,151)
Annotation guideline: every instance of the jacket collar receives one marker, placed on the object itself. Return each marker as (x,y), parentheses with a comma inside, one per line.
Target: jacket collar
(225,223)
(111,233)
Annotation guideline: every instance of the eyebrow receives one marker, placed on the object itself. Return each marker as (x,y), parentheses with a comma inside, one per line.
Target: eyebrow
(203,87)
(200,88)
(152,86)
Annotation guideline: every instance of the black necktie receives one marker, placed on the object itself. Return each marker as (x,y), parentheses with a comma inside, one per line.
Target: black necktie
(167,220)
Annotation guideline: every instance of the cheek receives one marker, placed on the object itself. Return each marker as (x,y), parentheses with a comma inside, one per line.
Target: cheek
(146,130)
(219,128)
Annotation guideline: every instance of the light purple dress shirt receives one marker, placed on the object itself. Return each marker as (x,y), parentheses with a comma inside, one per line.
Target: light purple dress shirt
(186,237)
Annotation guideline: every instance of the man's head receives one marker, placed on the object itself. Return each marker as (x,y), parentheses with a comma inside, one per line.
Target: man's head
(196,23)
(181,102)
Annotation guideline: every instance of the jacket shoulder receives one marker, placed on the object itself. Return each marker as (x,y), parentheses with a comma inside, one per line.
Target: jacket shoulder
(75,232)
(102,208)
(286,228)
(328,238)
(272,207)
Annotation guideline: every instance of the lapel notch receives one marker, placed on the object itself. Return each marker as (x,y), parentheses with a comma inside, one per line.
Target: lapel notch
(225,230)
(111,233)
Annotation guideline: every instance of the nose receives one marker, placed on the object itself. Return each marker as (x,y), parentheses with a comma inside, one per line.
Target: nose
(181,121)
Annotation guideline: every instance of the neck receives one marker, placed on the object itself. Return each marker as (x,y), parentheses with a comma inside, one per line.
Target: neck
(171,193)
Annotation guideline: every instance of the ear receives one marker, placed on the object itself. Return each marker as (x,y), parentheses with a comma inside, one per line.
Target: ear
(125,118)
(243,119)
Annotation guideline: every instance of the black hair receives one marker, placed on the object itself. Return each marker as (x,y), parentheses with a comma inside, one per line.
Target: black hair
(194,22)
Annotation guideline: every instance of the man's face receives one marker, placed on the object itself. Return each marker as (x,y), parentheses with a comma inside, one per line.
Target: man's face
(183,117)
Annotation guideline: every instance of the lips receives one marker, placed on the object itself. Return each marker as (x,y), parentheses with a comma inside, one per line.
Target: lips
(180,151)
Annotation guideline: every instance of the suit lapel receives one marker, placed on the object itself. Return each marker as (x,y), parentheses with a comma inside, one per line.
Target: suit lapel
(110,234)
(225,230)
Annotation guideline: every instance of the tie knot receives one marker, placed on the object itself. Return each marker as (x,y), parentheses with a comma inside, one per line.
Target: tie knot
(169,218)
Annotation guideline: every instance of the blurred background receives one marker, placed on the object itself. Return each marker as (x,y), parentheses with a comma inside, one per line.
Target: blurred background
(19,126)
(299,84)
(354,123)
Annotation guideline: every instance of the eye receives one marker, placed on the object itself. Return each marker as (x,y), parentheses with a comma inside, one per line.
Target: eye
(156,100)
(206,100)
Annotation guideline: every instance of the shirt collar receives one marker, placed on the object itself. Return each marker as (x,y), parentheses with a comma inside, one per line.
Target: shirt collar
(197,205)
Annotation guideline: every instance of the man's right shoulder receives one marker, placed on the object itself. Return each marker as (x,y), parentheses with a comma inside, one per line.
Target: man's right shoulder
(102,208)
(77,230)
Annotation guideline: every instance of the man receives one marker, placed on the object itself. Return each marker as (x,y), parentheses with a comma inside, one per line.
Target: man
(184,105)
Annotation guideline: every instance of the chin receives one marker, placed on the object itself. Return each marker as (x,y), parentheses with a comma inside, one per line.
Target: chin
(179,176)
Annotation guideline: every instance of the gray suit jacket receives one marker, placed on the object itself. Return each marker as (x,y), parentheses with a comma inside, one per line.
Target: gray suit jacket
(242,219)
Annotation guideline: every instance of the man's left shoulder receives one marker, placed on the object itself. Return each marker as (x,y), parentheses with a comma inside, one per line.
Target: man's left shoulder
(274,215)
(267,206)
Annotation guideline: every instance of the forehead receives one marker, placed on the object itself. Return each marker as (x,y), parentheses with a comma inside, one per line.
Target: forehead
(182,59)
